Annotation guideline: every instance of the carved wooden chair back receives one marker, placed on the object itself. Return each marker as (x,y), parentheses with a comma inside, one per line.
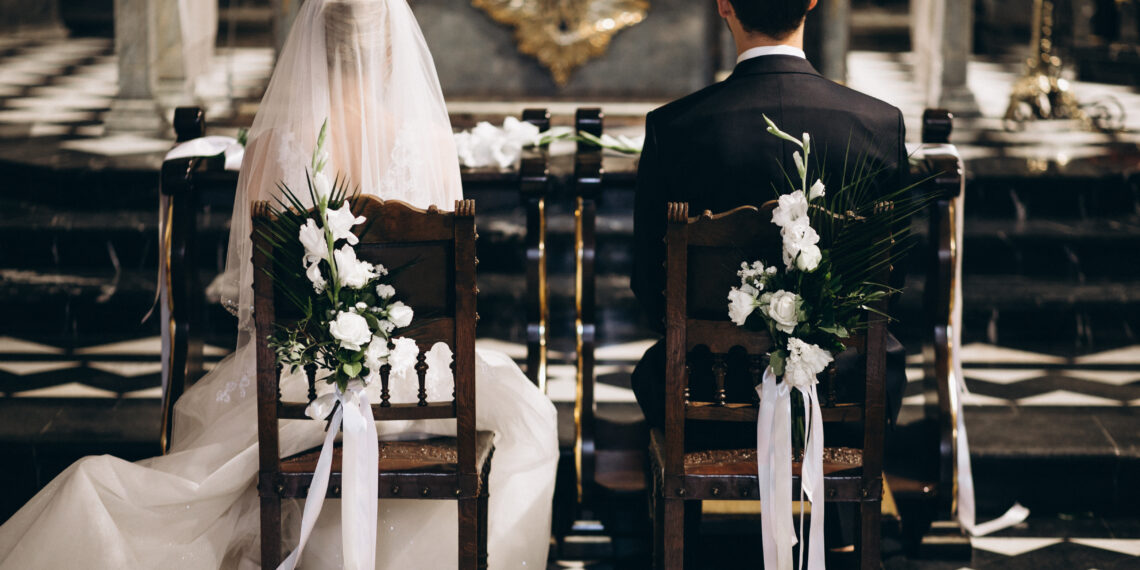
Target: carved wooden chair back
(431,257)
(703,255)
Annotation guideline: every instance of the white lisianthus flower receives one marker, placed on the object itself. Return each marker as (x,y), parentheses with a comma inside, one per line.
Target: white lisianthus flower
(352,272)
(792,207)
(403,355)
(783,307)
(805,361)
(321,186)
(400,314)
(351,330)
(341,221)
(385,291)
(818,190)
(809,258)
(797,237)
(313,238)
(376,354)
(313,272)
(741,303)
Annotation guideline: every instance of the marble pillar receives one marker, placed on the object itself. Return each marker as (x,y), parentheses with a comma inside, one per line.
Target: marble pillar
(173,85)
(135,108)
(942,38)
(827,37)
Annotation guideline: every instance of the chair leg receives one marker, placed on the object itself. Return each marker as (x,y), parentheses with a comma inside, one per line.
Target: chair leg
(270,532)
(870,527)
(482,545)
(674,535)
(468,533)
(658,514)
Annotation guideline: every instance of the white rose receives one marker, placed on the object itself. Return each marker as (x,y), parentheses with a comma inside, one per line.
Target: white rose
(352,272)
(313,238)
(805,361)
(792,207)
(376,354)
(783,308)
(817,190)
(351,330)
(385,291)
(740,305)
(809,258)
(321,186)
(341,221)
(400,314)
(403,355)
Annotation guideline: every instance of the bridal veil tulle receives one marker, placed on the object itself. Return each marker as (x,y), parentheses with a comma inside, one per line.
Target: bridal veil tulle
(363,65)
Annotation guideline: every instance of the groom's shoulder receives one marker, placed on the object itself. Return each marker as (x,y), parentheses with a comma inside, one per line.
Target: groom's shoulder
(666,113)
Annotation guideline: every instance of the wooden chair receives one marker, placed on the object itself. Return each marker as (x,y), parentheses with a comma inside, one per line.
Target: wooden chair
(712,247)
(437,251)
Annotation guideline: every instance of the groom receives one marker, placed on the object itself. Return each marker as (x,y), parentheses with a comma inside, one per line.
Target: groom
(710,149)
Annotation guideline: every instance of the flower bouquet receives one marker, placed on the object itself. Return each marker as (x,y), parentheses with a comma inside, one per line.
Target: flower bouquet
(835,246)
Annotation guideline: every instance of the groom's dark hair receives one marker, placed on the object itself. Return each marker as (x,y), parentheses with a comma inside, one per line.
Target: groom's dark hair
(773,18)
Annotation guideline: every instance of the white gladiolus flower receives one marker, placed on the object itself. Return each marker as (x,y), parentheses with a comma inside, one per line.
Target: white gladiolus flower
(740,304)
(376,355)
(341,221)
(809,258)
(352,272)
(385,291)
(792,207)
(313,238)
(801,166)
(797,237)
(313,272)
(351,330)
(783,307)
(321,186)
(805,361)
(403,355)
(817,190)
(400,314)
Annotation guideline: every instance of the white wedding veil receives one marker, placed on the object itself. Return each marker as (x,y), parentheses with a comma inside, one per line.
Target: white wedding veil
(363,65)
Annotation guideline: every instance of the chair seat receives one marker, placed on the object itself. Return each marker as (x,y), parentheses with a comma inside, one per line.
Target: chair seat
(425,467)
(732,473)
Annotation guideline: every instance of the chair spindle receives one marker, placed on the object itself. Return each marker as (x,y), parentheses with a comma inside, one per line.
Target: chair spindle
(719,371)
(385,394)
(311,377)
(421,374)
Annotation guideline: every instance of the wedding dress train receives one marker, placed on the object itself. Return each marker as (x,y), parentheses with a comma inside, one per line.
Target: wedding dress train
(389,132)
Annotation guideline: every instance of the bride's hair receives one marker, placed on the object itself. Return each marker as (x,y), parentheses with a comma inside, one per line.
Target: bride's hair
(353,28)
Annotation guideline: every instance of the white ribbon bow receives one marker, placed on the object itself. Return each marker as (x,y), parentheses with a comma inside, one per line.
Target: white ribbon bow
(774,470)
(359,478)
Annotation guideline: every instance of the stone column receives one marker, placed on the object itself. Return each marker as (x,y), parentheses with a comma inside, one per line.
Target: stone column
(135,110)
(942,39)
(173,86)
(284,12)
(827,37)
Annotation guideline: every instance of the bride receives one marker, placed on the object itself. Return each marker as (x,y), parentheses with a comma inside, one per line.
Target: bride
(364,66)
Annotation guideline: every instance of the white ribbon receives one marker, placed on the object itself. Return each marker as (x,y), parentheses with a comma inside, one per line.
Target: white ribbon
(210,146)
(359,480)
(774,471)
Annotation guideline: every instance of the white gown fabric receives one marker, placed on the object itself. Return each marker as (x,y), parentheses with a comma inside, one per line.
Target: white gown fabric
(197,507)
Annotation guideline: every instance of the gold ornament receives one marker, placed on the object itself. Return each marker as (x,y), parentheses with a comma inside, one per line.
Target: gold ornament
(564,34)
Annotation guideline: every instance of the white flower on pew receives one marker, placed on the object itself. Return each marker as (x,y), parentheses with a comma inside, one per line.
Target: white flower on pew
(313,239)
(341,221)
(376,354)
(350,271)
(784,308)
(400,314)
(792,207)
(801,238)
(385,291)
(403,355)
(351,330)
(741,303)
(313,272)
(818,190)
(804,362)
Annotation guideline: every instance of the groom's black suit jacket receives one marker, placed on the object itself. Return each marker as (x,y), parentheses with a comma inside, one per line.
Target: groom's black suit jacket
(711,149)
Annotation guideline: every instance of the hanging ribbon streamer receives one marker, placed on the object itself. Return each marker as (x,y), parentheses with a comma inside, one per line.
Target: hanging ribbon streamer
(959,392)
(359,479)
(774,470)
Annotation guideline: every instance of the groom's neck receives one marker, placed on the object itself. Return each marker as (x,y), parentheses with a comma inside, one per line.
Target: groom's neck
(747,40)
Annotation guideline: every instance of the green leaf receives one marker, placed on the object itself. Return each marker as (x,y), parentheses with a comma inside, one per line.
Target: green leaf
(776,361)
(351,369)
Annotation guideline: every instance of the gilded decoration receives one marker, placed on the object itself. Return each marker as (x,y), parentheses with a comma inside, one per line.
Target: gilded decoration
(564,34)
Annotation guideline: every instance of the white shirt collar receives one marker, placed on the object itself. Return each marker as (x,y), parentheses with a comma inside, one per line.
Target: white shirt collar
(771,50)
